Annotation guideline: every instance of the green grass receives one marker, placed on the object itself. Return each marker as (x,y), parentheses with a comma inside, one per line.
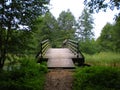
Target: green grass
(29,76)
(103,59)
(104,73)
(97,78)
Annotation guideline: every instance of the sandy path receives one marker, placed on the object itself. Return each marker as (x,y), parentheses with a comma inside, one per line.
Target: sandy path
(59,79)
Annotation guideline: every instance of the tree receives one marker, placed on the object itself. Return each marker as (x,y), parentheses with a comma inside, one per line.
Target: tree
(85,33)
(16,13)
(96,5)
(66,22)
(105,39)
(47,28)
(55,30)
(116,35)
(109,38)
(85,26)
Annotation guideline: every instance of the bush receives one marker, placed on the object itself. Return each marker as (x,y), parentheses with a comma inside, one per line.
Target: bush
(29,76)
(89,47)
(97,78)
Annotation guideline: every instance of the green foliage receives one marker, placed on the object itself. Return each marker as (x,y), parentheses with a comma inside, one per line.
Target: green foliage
(97,78)
(116,35)
(16,15)
(96,5)
(105,39)
(47,27)
(66,20)
(84,32)
(27,76)
(85,25)
(89,47)
(22,11)
(66,26)
(20,42)
(103,59)
(109,38)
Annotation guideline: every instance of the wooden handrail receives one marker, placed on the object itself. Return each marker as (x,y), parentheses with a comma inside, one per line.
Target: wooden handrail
(74,47)
(44,45)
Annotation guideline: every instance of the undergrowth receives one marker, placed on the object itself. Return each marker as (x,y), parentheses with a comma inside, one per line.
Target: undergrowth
(28,75)
(97,78)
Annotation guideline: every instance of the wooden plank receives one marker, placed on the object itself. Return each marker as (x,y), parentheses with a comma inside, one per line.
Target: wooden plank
(59,57)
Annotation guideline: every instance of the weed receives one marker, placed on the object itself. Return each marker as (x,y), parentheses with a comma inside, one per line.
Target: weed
(97,78)
(29,76)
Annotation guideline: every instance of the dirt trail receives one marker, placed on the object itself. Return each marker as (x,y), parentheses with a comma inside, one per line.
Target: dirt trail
(59,79)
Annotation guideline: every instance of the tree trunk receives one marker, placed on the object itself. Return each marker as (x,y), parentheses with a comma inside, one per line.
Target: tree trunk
(2,39)
(2,60)
(2,49)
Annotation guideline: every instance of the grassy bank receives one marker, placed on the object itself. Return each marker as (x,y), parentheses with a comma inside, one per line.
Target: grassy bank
(104,73)
(27,75)
(103,59)
(97,78)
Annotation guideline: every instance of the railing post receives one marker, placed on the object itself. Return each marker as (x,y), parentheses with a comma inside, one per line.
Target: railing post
(77,49)
(41,50)
(44,45)
(74,47)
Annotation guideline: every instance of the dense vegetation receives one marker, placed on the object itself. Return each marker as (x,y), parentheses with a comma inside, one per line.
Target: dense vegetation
(24,23)
(16,20)
(25,75)
(109,39)
(21,31)
(104,73)
(97,78)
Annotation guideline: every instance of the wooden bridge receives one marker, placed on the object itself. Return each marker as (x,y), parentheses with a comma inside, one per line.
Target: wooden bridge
(66,57)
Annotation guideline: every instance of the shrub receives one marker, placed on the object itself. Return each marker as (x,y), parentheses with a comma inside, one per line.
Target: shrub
(97,78)
(29,76)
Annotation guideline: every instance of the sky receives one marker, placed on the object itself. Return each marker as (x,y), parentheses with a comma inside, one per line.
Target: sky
(76,7)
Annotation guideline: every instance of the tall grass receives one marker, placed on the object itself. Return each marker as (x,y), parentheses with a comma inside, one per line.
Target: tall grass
(104,73)
(104,59)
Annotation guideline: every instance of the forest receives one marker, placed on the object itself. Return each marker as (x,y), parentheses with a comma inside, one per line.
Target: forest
(25,23)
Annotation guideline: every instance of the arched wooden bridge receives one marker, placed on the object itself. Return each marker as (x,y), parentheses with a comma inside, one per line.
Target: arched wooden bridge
(66,57)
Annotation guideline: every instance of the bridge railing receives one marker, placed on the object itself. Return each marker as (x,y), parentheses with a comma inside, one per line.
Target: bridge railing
(74,47)
(44,45)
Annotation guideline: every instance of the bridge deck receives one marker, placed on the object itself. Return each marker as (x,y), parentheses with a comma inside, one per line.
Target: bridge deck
(59,58)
